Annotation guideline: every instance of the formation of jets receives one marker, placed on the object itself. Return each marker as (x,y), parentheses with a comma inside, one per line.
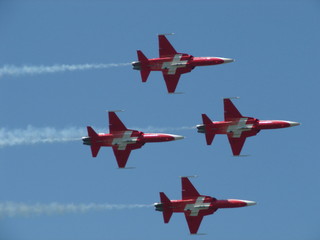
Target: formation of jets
(237,127)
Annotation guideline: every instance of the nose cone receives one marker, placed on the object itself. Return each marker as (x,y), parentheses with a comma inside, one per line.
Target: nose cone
(292,124)
(177,137)
(250,203)
(227,60)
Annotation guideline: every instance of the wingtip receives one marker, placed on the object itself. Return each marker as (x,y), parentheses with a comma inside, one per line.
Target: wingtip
(231,98)
(242,155)
(198,234)
(173,93)
(164,34)
(118,110)
(126,167)
(189,176)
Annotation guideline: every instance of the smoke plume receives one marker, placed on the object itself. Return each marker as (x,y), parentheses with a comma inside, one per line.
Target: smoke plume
(11,70)
(11,209)
(32,135)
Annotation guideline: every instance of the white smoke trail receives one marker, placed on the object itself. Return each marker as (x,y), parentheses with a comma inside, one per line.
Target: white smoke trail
(11,209)
(33,135)
(11,70)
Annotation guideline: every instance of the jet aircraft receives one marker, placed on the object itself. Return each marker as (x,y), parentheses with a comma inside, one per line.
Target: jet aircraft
(172,64)
(194,206)
(122,140)
(237,127)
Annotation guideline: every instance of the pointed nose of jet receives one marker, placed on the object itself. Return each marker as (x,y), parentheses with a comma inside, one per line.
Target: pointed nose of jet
(227,60)
(177,137)
(250,203)
(292,124)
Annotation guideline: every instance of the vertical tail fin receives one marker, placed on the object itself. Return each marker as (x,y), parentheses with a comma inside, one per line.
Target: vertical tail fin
(94,146)
(144,71)
(209,132)
(167,211)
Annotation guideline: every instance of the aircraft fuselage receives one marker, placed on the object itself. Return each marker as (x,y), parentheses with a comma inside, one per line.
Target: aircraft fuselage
(205,204)
(129,137)
(184,62)
(250,125)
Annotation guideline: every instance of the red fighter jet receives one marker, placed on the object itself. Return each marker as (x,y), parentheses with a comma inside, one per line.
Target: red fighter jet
(172,64)
(122,140)
(237,127)
(195,206)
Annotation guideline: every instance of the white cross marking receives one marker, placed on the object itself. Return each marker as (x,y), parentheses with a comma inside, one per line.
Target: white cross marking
(240,127)
(123,141)
(176,63)
(197,206)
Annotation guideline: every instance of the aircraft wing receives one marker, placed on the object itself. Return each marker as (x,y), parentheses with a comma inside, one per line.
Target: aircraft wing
(188,190)
(115,124)
(165,47)
(121,156)
(230,111)
(193,222)
(171,81)
(236,144)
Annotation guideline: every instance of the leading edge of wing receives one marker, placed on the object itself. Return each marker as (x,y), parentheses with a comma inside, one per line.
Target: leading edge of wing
(230,110)
(236,144)
(188,190)
(193,223)
(165,47)
(121,156)
(115,124)
(171,81)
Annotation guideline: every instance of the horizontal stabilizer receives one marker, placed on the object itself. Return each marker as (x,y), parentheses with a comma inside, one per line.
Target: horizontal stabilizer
(209,132)
(93,137)
(144,74)
(144,70)
(95,149)
(206,120)
(164,199)
(142,58)
(91,133)
(167,211)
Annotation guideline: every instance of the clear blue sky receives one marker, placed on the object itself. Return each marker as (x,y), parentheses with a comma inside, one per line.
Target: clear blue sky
(276,74)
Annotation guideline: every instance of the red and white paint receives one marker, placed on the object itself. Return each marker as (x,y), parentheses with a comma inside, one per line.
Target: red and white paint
(172,64)
(195,206)
(237,127)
